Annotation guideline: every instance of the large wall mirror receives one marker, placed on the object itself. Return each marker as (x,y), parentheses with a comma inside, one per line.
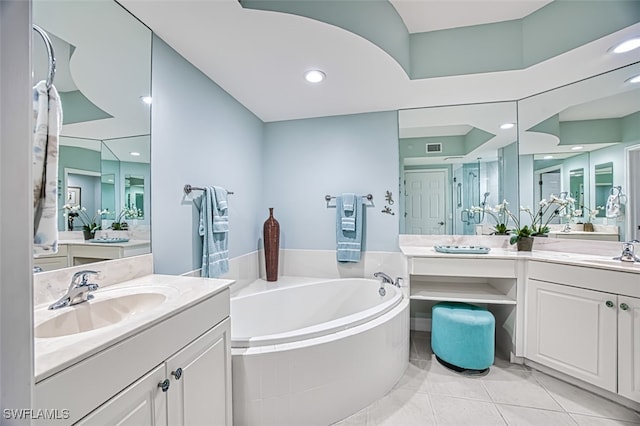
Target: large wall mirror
(452,159)
(103,61)
(583,139)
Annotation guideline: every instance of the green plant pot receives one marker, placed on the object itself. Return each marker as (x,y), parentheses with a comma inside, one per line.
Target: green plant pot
(525,244)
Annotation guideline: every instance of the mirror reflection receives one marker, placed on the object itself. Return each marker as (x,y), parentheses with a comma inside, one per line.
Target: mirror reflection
(578,140)
(105,138)
(452,159)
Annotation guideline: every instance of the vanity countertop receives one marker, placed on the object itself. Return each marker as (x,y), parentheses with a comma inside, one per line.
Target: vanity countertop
(130,243)
(566,258)
(57,353)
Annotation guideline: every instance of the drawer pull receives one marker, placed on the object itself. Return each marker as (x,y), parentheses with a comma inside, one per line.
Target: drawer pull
(164,385)
(624,306)
(609,304)
(177,374)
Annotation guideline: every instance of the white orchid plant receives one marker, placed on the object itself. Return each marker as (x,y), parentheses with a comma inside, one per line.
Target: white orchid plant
(88,223)
(500,213)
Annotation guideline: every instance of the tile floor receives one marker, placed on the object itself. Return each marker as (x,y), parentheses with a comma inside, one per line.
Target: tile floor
(510,394)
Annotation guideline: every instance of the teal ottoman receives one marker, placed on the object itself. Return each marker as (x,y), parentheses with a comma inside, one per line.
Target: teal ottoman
(463,335)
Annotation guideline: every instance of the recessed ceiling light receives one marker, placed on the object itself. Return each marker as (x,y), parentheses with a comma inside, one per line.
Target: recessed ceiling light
(314,76)
(627,45)
(576,148)
(506,126)
(547,157)
(134,153)
(146,99)
(634,79)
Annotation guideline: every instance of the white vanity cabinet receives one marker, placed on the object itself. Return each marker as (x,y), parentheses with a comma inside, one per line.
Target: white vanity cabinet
(189,351)
(190,388)
(141,404)
(200,376)
(576,328)
(629,347)
(475,279)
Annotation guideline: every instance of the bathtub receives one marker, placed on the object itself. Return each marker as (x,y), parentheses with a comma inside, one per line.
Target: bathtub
(315,352)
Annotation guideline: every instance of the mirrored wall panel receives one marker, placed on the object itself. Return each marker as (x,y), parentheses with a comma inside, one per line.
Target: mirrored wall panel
(580,140)
(452,160)
(103,61)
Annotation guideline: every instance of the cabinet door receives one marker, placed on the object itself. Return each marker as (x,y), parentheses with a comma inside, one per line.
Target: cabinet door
(573,330)
(141,404)
(201,393)
(629,347)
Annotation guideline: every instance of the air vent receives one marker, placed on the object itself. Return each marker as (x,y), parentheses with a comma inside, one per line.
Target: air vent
(434,147)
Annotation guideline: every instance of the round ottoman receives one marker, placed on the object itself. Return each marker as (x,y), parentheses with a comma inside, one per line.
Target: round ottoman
(463,335)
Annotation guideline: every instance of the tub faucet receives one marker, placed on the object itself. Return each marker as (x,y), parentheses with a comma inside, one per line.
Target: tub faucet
(387,279)
(78,290)
(628,254)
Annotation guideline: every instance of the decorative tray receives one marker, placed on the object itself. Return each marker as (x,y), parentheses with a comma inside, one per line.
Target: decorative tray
(463,249)
(109,240)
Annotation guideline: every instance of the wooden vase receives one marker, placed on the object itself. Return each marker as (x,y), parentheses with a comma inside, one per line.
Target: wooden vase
(525,244)
(271,234)
(588,227)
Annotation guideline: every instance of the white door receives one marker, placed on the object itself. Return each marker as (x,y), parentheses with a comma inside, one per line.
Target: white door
(573,330)
(550,183)
(200,377)
(425,202)
(141,404)
(629,347)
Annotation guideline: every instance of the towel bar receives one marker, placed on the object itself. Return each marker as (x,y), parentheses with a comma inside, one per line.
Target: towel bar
(329,197)
(188,188)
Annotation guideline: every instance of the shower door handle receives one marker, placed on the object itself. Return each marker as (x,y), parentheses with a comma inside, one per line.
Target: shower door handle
(462,214)
(459,194)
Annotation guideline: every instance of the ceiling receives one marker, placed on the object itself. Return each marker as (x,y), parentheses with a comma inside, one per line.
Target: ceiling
(431,15)
(259,57)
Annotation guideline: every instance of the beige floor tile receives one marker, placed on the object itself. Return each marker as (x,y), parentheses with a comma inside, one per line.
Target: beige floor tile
(525,416)
(583,420)
(457,411)
(518,387)
(578,401)
(440,380)
(402,407)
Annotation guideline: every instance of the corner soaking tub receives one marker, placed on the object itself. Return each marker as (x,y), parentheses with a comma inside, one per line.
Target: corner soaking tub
(317,352)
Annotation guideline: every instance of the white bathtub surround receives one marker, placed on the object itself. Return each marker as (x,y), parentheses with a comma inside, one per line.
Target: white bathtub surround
(323,263)
(49,286)
(242,269)
(302,374)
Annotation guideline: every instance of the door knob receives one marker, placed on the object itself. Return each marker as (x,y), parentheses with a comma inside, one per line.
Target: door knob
(624,306)
(164,385)
(177,373)
(609,304)
(440,223)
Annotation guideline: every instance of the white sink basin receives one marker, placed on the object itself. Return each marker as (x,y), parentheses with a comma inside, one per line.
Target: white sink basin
(109,307)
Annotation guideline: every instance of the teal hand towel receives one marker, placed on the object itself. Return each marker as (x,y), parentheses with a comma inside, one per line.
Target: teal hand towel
(348,219)
(349,243)
(215,254)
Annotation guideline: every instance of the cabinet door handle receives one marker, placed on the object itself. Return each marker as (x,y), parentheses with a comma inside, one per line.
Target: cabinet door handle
(164,385)
(610,304)
(177,373)
(624,306)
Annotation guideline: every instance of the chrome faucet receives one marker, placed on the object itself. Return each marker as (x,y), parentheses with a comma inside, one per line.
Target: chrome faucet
(78,290)
(628,254)
(386,279)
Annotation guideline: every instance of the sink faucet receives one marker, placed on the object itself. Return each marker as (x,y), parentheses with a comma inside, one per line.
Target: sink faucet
(78,290)
(628,254)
